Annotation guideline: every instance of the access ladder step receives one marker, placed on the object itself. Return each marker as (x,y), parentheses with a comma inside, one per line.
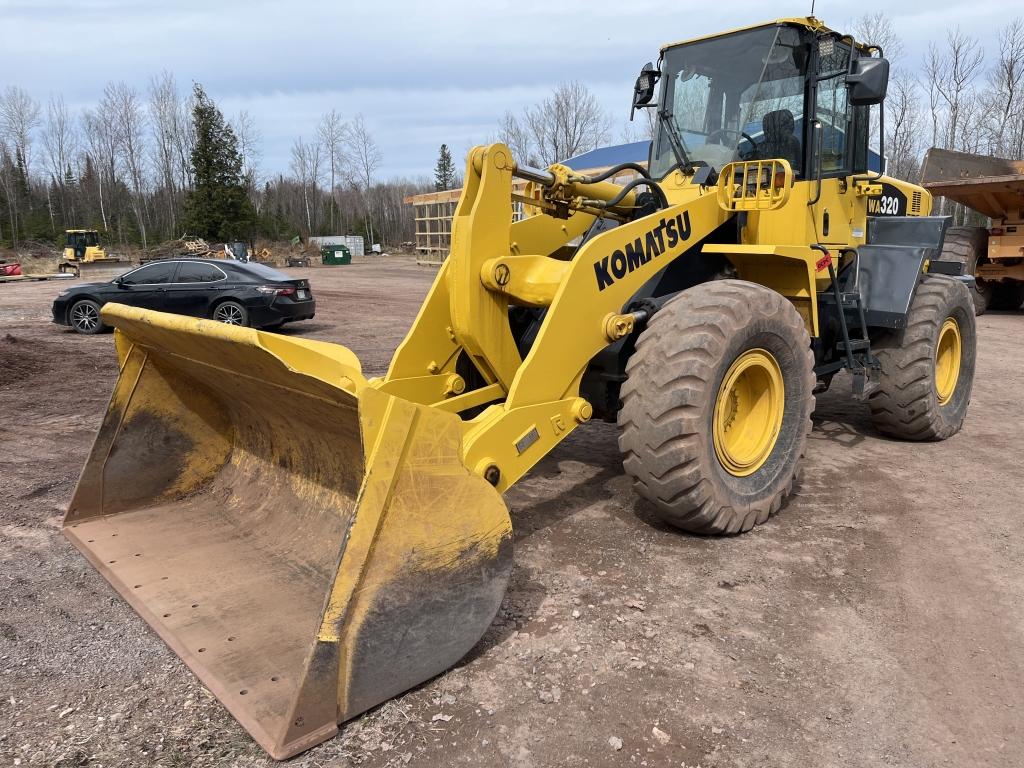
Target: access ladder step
(856,345)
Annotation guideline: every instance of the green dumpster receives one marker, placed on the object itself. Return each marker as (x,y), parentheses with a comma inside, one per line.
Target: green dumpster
(335,254)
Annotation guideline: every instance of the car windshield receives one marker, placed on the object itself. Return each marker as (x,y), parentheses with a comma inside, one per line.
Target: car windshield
(264,272)
(735,97)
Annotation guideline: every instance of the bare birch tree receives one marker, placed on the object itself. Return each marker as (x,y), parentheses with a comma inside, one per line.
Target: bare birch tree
(568,122)
(903,127)
(249,140)
(513,133)
(19,117)
(130,124)
(331,132)
(363,158)
(306,161)
(60,142)
(951,72)
(166,126)
(878,29)
(101,146)
(1004,95)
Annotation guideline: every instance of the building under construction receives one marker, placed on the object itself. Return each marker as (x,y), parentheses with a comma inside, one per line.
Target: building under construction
(434,210)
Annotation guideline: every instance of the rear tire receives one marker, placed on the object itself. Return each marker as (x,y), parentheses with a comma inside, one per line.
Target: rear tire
(231,313)
(926,385)
(84,317)
(688,386)
(969,246)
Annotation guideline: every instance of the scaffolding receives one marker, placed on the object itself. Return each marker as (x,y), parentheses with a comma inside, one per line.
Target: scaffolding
(434,212)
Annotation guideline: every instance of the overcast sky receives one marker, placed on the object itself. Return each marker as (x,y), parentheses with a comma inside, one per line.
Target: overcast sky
(421,73)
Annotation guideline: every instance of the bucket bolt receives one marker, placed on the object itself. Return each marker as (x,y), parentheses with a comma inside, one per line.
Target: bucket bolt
(617,326)
(456,385)
(582,411)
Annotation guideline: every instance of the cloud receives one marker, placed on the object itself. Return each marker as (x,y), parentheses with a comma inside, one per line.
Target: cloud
(421,73)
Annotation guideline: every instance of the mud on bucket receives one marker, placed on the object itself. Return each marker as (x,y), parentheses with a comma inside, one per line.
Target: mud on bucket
(308,545)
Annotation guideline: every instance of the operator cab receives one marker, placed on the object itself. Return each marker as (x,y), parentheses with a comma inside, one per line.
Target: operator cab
(80,240)
(776,91)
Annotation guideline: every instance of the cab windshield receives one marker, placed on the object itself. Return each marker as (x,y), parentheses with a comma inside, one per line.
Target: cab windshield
(738,97)
(82,240)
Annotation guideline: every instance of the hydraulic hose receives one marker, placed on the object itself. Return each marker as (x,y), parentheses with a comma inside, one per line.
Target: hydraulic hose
(656,190)
(614,170)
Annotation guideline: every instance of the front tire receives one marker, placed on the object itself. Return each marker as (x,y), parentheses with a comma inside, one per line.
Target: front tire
(231,313)
(928,367)
(717,405)
(84,317)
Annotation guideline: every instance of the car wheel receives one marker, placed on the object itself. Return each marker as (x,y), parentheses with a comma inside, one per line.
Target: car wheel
(231,313)
(85,317)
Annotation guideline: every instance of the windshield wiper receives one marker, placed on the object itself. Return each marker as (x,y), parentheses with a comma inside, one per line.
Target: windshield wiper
(671,127)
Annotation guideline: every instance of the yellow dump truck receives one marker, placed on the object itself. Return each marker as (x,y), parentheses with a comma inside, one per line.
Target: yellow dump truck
(312,541)
(994,255)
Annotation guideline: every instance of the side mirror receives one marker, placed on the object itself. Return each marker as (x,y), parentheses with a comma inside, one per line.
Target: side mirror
(868,82)
(643,91)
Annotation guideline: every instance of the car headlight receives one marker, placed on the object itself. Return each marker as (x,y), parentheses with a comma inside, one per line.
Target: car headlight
(65,292)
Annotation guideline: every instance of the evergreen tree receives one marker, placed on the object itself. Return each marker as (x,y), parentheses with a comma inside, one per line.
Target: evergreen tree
(217,209)
(444,171)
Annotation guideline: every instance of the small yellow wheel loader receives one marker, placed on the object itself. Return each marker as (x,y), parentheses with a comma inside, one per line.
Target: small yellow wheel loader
(312,542)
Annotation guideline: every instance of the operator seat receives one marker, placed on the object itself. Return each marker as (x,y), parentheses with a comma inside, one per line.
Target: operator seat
(779,139)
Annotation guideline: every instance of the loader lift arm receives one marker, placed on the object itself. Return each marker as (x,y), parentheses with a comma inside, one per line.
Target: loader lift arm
(495,263)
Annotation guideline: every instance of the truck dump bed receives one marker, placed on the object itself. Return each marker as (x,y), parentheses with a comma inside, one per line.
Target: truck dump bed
(993,186)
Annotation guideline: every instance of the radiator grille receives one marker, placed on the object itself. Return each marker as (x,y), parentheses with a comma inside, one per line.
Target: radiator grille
(915,203)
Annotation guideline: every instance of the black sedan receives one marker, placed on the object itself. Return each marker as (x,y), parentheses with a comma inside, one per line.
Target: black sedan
(232,292)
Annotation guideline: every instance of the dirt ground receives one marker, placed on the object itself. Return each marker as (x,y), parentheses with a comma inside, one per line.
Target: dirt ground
(877,621)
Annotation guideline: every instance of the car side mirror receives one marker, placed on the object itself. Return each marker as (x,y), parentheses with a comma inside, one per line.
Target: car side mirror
(868,82)
(119,282)
(643,90)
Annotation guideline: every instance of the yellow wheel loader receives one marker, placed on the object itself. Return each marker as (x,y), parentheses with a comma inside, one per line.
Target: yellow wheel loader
(84,257)
(312,542)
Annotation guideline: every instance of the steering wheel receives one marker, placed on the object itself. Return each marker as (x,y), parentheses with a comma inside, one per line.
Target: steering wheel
(740,136)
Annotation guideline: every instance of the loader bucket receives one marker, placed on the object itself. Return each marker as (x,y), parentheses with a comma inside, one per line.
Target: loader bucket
(309,545)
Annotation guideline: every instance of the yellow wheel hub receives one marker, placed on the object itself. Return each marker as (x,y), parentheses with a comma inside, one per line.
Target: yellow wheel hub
(748,412)
(947,360)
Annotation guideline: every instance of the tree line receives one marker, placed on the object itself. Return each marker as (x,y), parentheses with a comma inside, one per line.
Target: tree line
(127,166)
(133,165)
(965,95)
(133,168)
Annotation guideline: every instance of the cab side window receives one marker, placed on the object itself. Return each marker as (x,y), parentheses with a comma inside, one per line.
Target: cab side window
(832,109)
(151,274)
